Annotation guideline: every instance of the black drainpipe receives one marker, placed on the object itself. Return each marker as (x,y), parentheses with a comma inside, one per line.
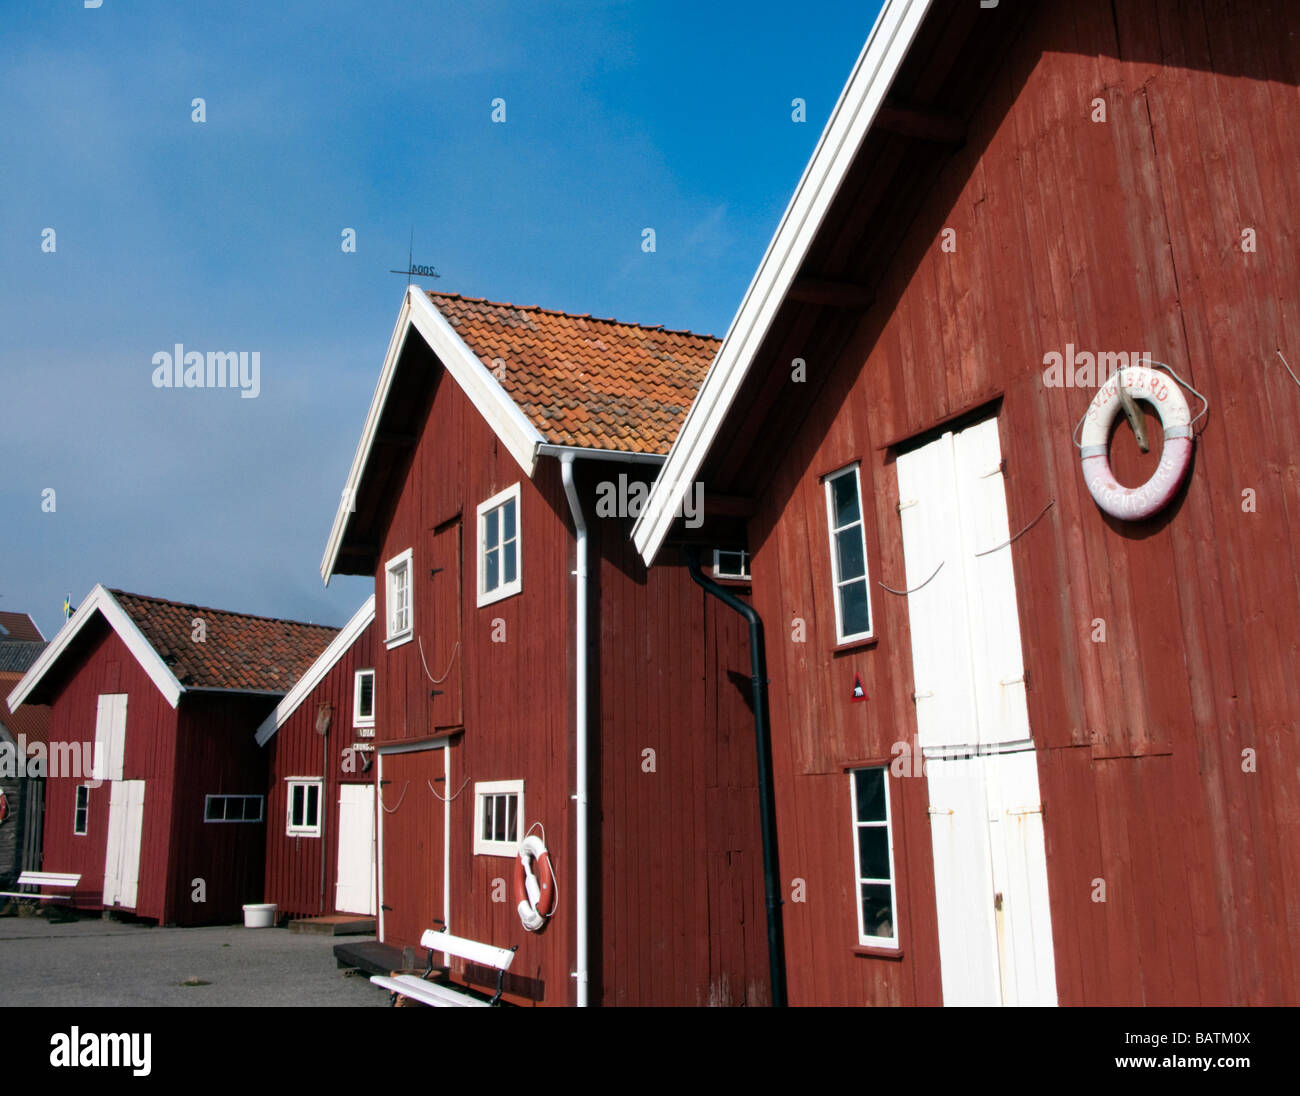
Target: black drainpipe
(766,804)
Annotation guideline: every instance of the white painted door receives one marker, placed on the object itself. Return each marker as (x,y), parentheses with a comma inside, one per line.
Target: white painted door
(110,736)
(125,832)
(995,937)
(354,889)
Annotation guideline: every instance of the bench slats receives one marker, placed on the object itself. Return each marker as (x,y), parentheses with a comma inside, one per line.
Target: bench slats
(488,954)
(48,879)
(431,993)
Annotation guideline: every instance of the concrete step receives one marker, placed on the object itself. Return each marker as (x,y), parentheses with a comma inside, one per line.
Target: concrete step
(335,924)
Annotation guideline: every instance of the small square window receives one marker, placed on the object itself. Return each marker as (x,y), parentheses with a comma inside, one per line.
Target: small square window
(81,813)
(729,563)
(873,858)
(363,702)
(848,555)
(499,559)
(304,807)
(397,599)
(498,817)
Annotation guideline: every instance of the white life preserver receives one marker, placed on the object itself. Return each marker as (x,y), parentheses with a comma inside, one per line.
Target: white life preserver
(1134,503)
(534,884)
(4,807)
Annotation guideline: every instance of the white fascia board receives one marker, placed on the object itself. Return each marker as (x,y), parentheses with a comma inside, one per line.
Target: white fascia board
(520,436)
(99,600)
(315,673)
(836,150)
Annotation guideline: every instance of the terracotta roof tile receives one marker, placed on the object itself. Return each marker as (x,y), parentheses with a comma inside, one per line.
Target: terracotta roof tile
(239,651)
(32,720)
(19,626)
(582,381)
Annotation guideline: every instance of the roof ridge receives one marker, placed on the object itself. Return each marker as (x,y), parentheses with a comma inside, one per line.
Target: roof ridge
(574,315)
(224,612)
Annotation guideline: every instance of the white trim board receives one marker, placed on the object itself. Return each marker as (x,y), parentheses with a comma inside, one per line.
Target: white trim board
(836,150)
(100,600)
(502,414)
(316,672)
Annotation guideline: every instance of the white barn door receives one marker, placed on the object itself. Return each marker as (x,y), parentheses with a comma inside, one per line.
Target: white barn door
(125,831)
(354,888)
(995,933)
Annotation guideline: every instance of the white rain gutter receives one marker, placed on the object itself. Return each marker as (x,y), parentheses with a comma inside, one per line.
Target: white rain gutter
(580,730)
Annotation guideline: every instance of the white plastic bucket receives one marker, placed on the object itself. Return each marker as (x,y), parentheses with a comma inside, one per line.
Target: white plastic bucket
(259,916)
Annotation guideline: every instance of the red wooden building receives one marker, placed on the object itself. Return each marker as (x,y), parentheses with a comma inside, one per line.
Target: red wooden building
(531,676)
(320,800)
(24,741)
(156,789)
(1105,704)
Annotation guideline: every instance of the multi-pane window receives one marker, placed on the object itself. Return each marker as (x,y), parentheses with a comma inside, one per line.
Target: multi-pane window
(498,540)
(848,555)
(730,564)
(232,808)
(363,702)
(398,598)
(873,858)
(81,813)
(304,807)
(498,816)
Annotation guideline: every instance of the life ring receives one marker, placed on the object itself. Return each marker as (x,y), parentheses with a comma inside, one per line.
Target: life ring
(1135,503)
(4,807)
(534,884)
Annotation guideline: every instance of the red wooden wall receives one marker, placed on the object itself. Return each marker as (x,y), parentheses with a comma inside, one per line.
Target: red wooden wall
(676,868)
(1111,236)
(108,667)
(293,879)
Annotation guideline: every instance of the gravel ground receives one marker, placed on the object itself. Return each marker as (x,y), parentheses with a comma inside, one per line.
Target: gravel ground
(96,962)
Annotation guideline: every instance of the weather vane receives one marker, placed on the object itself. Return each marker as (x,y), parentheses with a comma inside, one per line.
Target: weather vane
(411,269)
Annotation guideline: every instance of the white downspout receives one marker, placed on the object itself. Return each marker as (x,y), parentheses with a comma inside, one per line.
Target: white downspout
(580,730)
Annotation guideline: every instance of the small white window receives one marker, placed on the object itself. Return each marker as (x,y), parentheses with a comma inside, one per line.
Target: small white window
(499,560)
(81,813)
(232,808)
(873,859)
(401,626)
(848,555)
(363,703)
(304,807)
(728,563)
(498,817)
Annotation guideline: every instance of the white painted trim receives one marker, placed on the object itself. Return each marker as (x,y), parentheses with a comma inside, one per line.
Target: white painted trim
(379,844)
(744,575)
(502,414)
(363,722)
(580,452)
(836,581)
(304,830)
(99,600)
(414,747)
(836,150)
(315,673)
(491,847)
(516,585)
(396,639)
(865,940)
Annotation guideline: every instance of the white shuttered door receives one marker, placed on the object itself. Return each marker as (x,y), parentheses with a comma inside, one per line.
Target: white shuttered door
(995,938)
(354,890)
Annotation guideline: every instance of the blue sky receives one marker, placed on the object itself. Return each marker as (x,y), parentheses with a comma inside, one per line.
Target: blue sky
(226,235)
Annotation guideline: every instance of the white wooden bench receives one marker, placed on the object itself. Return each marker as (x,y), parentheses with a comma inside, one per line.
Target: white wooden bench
(444,994)
(44,879)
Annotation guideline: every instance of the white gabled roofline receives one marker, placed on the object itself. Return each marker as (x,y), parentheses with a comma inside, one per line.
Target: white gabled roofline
(509,423)
(315,673)
(872,75)
(100,600)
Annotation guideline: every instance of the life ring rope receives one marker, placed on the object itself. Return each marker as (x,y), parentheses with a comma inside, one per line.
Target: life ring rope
(536,891)
(1205,404)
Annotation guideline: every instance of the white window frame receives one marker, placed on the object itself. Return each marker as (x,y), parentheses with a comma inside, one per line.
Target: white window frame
(489,509)
(743,576)
(836,582)
(865,940)
(484,790)
(307,782)
(394,637)
(82,792)
(364,725)
(261,809)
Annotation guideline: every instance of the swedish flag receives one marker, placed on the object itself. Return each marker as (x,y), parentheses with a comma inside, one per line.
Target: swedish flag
(68,607)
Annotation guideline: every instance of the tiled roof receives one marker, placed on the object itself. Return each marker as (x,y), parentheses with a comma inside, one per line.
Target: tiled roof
(16,656)
(247,653)
(583,381)
(19,626)
(32,720)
